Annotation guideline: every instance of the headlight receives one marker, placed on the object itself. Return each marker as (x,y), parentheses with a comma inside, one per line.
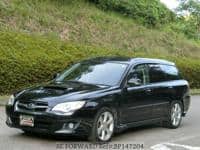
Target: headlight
(11,100)
(68,108)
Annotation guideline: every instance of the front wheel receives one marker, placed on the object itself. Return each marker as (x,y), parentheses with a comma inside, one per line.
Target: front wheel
(103,127)
(175,115)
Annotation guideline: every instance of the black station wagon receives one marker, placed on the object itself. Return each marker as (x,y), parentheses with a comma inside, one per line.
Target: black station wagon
(102,96)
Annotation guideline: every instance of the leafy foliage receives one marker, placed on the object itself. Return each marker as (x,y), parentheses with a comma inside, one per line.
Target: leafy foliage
(29,60)
(191,23)
(150,13)
(82,22)
(26,60)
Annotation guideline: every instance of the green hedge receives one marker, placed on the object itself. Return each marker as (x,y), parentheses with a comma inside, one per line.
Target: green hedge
(28,60)
(190,69)
(148,12)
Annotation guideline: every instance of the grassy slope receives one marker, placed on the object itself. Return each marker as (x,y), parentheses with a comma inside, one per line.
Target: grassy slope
(26,60)
(40,37)
(81,22)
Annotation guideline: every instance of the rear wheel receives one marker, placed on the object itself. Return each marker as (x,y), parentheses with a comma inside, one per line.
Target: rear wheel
(103,127)
(175,115)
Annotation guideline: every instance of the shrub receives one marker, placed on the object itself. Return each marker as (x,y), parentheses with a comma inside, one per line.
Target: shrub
(28,60)
(186,27)
(148,12)
(190,69)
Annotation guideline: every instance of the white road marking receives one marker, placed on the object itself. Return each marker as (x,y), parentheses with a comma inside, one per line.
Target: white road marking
(160,147)
(164,146)
(184,138)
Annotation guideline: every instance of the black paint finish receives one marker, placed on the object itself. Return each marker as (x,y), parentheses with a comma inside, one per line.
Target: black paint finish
(131,105)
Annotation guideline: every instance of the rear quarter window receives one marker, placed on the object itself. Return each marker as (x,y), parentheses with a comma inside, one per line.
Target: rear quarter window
(171,72)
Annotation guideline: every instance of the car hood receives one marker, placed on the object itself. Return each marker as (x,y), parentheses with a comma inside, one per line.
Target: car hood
(54,93)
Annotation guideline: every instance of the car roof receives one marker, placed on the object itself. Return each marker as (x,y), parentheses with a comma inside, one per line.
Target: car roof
(131,61)
(152,60)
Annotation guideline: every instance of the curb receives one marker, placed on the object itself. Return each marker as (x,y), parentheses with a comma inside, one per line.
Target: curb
(3,100)
(2,103)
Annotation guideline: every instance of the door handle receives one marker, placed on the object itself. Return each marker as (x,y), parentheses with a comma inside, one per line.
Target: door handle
(148,90)
(170,87)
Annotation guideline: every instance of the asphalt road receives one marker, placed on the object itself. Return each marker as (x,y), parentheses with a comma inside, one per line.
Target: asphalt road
(187,137)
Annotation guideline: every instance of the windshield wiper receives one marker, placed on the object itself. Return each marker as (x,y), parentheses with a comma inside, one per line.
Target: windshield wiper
(76,81)
(101,84)
(81,82)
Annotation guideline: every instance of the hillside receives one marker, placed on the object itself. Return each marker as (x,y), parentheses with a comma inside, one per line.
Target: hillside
(38,34)
(82,22)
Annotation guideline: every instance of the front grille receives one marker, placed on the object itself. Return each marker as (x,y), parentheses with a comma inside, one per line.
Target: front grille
(36,106)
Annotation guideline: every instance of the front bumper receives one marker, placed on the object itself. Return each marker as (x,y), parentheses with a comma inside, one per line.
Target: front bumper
(186,104)
(51,123)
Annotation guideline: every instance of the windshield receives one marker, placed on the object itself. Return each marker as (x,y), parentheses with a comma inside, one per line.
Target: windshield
(106,73)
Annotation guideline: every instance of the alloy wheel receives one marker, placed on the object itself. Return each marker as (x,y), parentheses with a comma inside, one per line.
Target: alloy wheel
(105,126)
(176,114)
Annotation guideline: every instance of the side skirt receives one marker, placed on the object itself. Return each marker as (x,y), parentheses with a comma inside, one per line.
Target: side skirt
(123,127)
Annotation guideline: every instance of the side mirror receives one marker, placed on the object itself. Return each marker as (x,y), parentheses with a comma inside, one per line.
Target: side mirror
(134,81)
(56,75)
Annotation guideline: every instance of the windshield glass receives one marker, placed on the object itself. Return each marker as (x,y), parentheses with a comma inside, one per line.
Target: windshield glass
(106,73)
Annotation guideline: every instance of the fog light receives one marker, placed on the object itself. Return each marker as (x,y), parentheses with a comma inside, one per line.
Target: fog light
(68,128)
(71,125)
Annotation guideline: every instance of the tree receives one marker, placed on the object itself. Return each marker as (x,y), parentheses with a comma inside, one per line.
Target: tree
(192,7)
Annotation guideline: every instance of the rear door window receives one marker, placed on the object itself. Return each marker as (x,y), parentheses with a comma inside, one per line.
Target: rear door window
(156,74)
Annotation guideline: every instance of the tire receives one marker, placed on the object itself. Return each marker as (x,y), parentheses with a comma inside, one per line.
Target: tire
(174,117)
(103,126)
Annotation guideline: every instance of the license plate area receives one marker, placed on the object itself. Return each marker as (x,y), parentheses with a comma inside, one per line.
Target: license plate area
(26,120)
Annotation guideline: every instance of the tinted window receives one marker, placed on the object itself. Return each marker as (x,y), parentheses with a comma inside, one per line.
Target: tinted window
(106,73)
(171,72)
(140,72)
(156,74)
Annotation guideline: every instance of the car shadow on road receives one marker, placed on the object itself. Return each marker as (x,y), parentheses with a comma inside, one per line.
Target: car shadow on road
(137,130)
(64,138)
(53,138)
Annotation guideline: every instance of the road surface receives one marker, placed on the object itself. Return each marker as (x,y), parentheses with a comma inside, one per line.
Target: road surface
(187,137)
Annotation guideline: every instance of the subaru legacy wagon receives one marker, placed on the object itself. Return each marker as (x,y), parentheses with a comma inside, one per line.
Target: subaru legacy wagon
(102,96)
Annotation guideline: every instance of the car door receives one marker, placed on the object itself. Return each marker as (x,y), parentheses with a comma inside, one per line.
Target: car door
(136,102)
(161,90)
